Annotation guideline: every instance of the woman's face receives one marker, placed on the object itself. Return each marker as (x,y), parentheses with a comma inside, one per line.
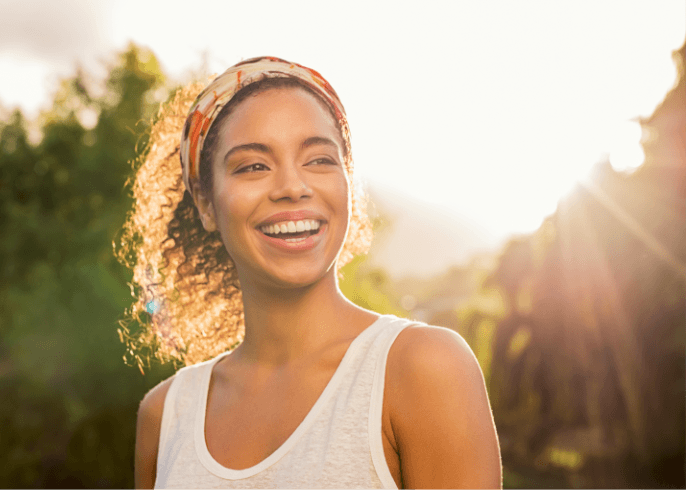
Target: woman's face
(280,193)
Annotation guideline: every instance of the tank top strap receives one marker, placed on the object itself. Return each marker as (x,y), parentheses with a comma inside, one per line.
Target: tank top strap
(180,407)
(378,360)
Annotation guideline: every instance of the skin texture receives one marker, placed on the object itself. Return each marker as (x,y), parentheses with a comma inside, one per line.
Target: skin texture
(437,425)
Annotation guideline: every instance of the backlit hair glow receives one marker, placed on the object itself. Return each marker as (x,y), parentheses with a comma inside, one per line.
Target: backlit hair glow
(187,299)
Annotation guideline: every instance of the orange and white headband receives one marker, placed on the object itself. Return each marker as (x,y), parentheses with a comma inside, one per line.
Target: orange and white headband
(221,90)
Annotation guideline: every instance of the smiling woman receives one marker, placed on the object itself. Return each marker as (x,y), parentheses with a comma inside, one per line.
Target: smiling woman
(287,383)
(256,184)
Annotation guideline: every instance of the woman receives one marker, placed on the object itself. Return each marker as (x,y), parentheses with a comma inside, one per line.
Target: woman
(319,392)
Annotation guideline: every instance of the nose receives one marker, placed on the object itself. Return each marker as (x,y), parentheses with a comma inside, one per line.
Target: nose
(290,184)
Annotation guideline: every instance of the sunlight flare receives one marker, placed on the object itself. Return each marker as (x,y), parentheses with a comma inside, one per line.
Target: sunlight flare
(626,152)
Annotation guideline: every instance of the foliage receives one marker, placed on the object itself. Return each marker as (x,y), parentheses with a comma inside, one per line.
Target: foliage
(66,390)
(368,288)
(587,369)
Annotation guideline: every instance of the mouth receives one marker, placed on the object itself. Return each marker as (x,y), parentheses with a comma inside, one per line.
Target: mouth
(292,231)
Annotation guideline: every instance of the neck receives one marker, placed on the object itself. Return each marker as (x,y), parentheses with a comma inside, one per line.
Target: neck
(282,325)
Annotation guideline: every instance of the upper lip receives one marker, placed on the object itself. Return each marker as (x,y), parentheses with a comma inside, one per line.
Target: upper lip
(291,216)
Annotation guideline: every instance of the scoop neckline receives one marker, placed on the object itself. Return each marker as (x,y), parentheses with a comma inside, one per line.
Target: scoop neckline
(222,471)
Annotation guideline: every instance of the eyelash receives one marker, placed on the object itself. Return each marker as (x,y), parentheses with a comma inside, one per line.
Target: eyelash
(327,161)
(252,167)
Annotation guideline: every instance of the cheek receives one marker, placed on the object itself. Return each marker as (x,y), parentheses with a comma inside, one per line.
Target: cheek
(235,201)
(233,211)
(336,188)
(342,196)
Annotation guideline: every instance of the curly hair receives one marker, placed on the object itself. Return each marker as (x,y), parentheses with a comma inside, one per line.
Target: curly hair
(187,297)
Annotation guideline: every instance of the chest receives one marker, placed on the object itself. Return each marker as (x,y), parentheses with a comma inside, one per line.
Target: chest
(244,427)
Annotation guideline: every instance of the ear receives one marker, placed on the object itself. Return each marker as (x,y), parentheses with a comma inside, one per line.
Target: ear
(205,208)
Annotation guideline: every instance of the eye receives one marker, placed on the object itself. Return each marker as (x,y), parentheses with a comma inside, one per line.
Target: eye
(322,161)
(255,167)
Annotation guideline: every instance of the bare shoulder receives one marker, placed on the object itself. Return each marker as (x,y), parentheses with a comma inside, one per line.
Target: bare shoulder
(426,360)
(426,350)
(148,428)
(440,413)
(153,401)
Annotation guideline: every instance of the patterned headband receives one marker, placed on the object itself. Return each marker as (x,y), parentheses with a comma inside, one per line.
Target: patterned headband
(221,90)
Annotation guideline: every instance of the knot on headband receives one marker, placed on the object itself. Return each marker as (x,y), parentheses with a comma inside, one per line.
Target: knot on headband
(223,88)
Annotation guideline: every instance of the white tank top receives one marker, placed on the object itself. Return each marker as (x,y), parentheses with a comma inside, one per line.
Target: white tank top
(337,445)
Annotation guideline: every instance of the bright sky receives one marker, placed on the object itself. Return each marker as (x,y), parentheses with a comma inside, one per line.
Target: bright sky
(489,109)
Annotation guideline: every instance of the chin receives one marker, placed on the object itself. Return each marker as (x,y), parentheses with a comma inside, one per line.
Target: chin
(298,281)
(298,278)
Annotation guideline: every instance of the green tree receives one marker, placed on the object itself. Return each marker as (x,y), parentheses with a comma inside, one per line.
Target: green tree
(69,401)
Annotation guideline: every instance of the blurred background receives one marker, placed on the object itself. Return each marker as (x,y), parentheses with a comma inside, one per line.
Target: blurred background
(527,170)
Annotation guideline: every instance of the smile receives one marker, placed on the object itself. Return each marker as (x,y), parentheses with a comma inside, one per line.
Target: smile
(292,231)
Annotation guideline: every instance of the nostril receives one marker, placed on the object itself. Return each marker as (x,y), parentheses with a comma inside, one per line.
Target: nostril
(293,190)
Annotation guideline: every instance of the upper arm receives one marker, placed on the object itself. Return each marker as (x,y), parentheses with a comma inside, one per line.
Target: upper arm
(439,411)
(148,434)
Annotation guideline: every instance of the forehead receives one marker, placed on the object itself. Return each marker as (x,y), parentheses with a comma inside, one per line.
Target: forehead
(280,112)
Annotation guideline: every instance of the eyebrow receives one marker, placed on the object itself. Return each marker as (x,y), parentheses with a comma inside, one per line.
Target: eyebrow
(262,148)
(319,140)
(247,147)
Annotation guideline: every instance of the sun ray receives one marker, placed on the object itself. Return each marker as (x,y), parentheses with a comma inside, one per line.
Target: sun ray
(635,228)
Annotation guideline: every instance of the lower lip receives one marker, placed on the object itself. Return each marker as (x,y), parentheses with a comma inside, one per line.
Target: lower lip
(307,244)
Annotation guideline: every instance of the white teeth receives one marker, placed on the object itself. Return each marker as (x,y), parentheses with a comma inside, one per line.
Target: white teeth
(291,227)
